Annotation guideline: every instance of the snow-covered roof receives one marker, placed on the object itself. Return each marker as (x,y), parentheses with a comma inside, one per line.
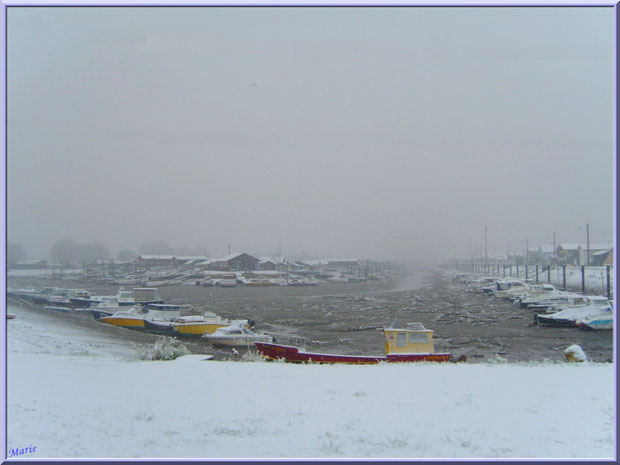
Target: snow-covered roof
(30,262)
(327,261)
(170,257)
(601,252)
(156,257)
(546,248)
(231,256)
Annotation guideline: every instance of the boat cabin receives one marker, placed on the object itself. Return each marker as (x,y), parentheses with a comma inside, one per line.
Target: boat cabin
(415,339)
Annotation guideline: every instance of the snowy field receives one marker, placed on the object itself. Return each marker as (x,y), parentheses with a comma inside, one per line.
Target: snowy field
(72,394)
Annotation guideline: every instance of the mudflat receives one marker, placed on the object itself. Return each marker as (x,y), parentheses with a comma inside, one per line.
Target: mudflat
(346,318)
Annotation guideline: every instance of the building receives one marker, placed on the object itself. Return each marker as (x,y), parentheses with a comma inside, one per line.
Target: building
(274,263)
(166,260)
(593,248)
(235,262)
(568,254)
(602,258)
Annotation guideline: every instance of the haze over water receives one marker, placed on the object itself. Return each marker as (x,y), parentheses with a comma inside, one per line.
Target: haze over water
(388,133)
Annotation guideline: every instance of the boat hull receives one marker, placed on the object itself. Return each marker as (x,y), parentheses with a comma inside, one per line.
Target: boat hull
(542,320)
(162,328)
(196,330)
(293,354)
(131,323)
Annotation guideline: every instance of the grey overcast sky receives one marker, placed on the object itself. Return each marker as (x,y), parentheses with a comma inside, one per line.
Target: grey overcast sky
(369,132)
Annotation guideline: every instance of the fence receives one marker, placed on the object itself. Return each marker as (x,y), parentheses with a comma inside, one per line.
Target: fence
(585,279)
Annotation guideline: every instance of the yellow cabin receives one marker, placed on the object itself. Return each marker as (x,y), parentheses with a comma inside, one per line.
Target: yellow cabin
(415,339)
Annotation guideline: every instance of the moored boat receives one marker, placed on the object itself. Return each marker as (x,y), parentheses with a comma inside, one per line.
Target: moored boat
(570,316)
(236,335)
(130,318)
(56,308)
(411,344)
(197,325)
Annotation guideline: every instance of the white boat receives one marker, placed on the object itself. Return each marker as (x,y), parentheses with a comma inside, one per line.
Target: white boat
(570,316)
(597,322)
(504,286)
(578,300)
(236,335)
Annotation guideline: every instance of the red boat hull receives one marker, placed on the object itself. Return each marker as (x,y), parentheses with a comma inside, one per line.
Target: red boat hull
(293,354)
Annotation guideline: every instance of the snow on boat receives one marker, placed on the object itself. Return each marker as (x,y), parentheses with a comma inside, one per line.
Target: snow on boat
(597,322)
(196,326)
(236,335)
(411,344)
(160,317)
(570,316)
(130,318)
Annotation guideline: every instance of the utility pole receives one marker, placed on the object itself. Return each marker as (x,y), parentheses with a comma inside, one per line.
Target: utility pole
(527,251)
(485,247)
(554,257)
(228,249)
(588,243)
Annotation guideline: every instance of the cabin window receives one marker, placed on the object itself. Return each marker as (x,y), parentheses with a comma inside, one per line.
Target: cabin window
(418,337)
(401,339)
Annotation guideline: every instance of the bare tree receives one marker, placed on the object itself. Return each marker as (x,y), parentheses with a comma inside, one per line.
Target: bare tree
(65,252)
(126,255)
(15,252)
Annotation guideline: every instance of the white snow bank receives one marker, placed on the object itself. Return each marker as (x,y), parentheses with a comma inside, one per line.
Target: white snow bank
(69,405)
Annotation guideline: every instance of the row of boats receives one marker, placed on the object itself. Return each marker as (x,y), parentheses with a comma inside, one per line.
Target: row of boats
(143,310)
(550,306)
(413,343)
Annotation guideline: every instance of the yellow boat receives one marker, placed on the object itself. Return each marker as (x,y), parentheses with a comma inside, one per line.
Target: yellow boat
(129,318)
(196,326)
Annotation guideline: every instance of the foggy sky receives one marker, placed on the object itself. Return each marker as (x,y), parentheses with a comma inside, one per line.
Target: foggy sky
(353,132)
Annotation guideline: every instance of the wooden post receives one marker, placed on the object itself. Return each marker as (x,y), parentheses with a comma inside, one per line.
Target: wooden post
(526,267)
(504,271)
(583,279)
(564,277)
(549,274)
(608,283)
(510,270)
(536,274)
(517,271)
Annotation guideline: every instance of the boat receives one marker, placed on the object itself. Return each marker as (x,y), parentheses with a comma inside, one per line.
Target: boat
(226,282)
(160,317)
(597,322)
(197,325)
(146,296)
(570,316)
(130,318)
(508,286)
(236,335)
(411,344)
(55,308)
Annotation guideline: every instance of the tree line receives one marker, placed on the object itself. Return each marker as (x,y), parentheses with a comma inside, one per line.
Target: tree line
(67,252)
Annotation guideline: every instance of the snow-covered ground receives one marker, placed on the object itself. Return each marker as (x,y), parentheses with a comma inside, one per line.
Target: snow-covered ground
(72,394)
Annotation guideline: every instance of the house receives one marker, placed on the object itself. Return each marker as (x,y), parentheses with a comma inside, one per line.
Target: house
(235,262)
(166,260)
(274,263)
(568,254)
(593,248)
(602,257)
